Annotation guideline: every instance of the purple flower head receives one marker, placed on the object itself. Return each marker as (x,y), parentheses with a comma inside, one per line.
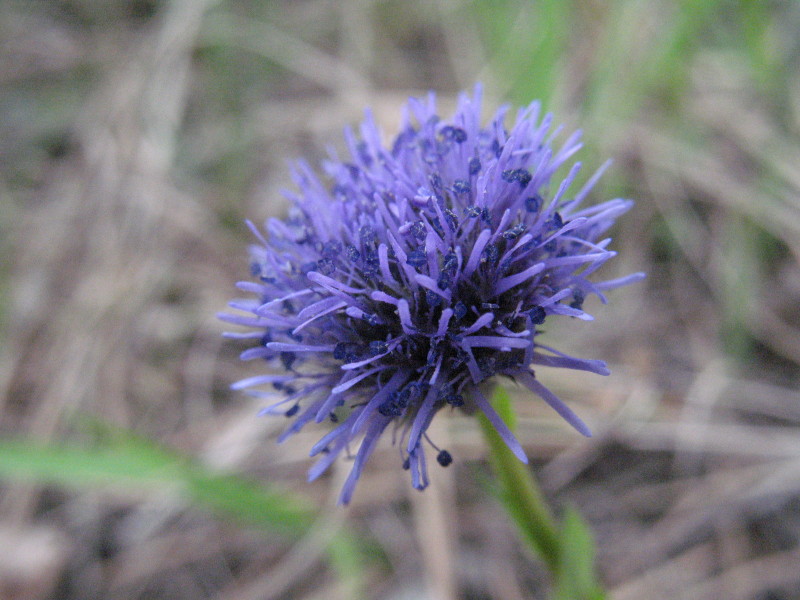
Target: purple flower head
(412,273)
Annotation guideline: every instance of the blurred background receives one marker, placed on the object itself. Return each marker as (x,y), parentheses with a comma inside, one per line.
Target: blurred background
(137,135)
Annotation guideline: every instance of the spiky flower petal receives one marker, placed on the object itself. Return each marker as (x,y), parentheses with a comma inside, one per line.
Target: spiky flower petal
(409,275)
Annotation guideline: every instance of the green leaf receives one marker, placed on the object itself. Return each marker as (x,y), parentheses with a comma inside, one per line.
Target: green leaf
(77,467)
(576,577)
(125,462)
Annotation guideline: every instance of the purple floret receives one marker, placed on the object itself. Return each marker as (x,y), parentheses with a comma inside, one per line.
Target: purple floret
(411,273)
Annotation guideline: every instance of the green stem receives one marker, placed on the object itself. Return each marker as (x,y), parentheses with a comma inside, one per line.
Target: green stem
(521,495)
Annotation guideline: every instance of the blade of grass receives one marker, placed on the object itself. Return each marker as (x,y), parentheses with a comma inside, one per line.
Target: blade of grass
(526,42)
(130,463)
(577,579)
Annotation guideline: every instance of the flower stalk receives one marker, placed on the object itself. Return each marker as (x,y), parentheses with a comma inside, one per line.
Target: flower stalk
(566,547)
(520,493)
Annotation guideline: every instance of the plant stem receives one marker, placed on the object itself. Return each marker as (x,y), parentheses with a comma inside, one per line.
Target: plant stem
(521,494)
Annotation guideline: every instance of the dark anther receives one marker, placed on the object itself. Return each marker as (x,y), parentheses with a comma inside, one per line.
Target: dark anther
(366,234)
(454,399)
(487,365)
(451,218)
(371,258)
(444,458)
(578,298)
(371,319)
(444,280)
(459,310)
(461,186)
(490,254)
(474,165)
(473,212)
(456,134)
(332,249)
(292,411)
(523,176)
(514,232)
(287,359)
(370,272)
(433,298)
(378,347)
(533,203)
(418,230)
(537,315)
(401,398)
(450,265)
(325,266)
(352,253)
(437,226)
(417,259)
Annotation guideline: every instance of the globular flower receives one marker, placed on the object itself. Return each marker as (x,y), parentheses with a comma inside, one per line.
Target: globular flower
(409,275)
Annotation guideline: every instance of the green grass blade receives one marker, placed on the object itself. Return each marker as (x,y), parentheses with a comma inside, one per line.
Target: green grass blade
(127,463)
